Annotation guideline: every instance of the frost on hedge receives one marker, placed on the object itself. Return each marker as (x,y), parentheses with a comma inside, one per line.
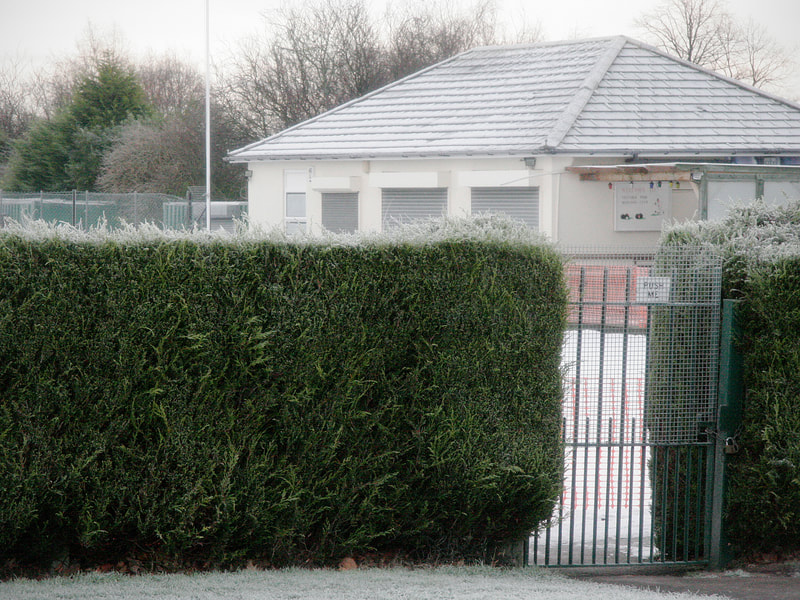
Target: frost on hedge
(488,228)
(760,250)
(751,235)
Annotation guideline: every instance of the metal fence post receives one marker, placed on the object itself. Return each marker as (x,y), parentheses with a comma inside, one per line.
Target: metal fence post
(729,418)
(189,221)
(74,207)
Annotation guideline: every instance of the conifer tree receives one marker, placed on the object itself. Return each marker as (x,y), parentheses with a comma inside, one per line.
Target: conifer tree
(108,97)
(66,152)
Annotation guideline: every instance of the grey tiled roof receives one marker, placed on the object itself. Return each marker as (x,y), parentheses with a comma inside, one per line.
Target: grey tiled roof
(609,95)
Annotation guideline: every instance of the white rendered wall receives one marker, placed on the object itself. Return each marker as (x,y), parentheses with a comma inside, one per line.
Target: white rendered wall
(585,210)
(571,211)
(368,178)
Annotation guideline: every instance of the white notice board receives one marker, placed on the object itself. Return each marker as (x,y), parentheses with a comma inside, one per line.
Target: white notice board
(653,290)
(641,205)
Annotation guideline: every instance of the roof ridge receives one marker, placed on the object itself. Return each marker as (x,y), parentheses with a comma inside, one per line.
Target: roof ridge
(573,110)
(546,44)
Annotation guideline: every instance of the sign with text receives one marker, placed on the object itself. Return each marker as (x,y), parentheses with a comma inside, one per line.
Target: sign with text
(641,205)
(653,290)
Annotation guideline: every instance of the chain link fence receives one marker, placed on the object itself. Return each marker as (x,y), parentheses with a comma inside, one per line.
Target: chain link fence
(90,209)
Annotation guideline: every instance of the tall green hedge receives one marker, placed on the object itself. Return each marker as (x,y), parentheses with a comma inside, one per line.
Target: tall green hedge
(296,403)
(760,250)
(764,504)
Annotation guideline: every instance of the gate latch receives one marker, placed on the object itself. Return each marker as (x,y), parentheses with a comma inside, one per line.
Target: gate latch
(731,447)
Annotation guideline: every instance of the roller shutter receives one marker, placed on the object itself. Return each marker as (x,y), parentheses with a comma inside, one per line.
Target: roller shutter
(403,205)
(521,204)
(340,212)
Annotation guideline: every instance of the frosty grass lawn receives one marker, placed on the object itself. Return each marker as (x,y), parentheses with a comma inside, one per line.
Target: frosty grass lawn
(458,583)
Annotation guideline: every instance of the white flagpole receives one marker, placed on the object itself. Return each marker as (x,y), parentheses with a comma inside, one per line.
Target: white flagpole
(208,125)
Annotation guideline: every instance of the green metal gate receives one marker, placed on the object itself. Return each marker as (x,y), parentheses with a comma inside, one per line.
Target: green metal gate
(641,360)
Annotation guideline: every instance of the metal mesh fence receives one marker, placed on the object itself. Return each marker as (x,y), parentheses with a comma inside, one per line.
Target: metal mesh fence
(640,358)
(89,209)
(683,353)
(642,343)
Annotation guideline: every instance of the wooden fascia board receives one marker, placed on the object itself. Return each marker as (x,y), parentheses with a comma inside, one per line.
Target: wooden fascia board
(684,172)
(630,174)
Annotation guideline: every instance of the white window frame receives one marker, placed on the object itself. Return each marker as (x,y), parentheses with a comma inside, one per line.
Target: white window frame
(295,183)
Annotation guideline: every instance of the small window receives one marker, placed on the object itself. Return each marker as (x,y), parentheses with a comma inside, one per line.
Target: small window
(295,205)
(340,212)
(518,203)
(295,201)
(403,205)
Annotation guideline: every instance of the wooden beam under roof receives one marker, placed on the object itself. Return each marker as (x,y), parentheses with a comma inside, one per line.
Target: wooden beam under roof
(691,172)
(654,172)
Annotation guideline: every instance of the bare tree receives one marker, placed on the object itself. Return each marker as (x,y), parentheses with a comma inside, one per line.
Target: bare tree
(171,84)
(690,29)
(321,55)
(245,90)
(151,157)
(166,154)
(703,32)
(761,61)
(52,88)
(523,32)
(16,111)
(325,52)
(423,34)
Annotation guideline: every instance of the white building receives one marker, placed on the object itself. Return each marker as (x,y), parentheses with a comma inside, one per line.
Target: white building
(595,141)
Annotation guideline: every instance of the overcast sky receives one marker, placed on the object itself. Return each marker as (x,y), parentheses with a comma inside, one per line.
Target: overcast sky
(34,31)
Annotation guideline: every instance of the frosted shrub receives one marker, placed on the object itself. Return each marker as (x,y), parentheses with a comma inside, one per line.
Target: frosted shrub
(760,248)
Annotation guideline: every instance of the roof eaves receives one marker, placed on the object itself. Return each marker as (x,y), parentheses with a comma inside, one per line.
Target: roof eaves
(585,92)
(380,155)
(655,152)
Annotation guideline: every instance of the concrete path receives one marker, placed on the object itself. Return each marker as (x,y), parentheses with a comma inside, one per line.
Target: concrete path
(772,582)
